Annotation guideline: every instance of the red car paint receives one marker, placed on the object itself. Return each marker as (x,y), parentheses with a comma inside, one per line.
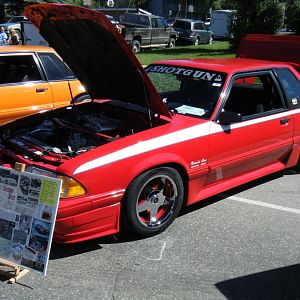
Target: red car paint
(210,155)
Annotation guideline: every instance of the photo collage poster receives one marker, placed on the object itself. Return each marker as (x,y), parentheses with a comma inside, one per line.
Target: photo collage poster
(28,208)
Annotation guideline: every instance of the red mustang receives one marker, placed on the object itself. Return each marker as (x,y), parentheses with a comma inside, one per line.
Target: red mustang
(138,153)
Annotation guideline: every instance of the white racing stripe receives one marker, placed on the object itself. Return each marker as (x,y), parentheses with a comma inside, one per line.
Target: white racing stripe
(173,138)
(264,204)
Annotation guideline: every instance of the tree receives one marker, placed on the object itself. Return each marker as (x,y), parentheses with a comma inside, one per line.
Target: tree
(257,16)
(293,15)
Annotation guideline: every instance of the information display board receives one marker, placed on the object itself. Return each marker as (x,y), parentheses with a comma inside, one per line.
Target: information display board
(28,208)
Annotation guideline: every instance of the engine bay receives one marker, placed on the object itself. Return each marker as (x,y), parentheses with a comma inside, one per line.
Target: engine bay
(73,131)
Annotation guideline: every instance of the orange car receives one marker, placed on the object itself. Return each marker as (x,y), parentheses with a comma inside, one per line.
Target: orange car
(34,78)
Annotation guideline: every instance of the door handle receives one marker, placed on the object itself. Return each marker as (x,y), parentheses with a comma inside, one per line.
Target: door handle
(284,121)
(40,90)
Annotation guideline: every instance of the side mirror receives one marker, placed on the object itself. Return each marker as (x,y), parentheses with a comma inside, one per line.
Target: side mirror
(228,117)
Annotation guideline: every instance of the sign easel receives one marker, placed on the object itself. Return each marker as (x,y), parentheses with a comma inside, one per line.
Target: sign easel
(14,275)
(17,273)
(28,208)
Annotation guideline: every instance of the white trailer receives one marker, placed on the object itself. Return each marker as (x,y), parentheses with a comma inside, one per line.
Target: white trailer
(220,22)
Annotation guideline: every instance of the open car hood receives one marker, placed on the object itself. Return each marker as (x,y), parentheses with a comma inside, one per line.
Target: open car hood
(97,53)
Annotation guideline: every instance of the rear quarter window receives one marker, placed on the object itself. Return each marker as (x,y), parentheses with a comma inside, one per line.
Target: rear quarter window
(291,87)
(55,68)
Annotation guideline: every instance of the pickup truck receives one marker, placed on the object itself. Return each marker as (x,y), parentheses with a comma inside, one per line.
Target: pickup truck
(147,31)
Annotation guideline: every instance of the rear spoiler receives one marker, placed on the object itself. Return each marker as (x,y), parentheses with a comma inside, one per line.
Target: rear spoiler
(283,48)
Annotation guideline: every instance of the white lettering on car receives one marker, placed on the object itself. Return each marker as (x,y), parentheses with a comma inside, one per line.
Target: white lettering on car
(203,75)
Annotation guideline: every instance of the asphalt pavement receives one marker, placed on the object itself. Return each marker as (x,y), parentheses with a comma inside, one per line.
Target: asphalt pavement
(243,244)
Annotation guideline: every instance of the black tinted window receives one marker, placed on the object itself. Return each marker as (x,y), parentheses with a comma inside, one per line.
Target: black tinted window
(18,68)
(182,24)
(251,95)
(198,26)
(291,87)
(55,68)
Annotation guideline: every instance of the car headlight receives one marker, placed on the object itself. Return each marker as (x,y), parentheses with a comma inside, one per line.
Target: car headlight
(69,188)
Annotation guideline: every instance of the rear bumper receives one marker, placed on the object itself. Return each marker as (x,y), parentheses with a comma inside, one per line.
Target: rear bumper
(186,39)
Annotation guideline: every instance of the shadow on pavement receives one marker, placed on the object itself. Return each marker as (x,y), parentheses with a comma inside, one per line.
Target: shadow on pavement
(281,283)
(65,250)
(234,191)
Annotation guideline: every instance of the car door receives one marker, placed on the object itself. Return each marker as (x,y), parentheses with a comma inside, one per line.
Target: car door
(290,83)
(62,80)
(261,140)
(160,35)
(22,86)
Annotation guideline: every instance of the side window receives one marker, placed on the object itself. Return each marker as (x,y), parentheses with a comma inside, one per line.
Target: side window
(55,68)
(251,95)
(18,69)
(160,23)
(197,26)
(154,23)
(291,87)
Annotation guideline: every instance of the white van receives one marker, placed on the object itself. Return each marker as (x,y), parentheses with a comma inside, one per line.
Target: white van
(220,22)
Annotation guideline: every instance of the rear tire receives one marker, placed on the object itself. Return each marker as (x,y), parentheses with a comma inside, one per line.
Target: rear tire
(136,46)
(152,201)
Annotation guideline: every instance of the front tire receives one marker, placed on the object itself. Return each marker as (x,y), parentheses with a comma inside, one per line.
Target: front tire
(152,202)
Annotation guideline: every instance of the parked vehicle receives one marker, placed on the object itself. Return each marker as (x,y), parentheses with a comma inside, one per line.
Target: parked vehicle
(147,31)
(14,23)
(33,79)
(207,22)
(170,21)
(134,159)
(221,21)
(193,32)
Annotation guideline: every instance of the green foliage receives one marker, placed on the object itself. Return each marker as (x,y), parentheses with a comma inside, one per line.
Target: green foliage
(258,16)
(293,14)
(220,49)
(223,4)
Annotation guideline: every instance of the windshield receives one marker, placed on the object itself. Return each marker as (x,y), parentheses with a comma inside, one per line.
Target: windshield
(188,91)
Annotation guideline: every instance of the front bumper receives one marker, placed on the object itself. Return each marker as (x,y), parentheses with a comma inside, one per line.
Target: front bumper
(92,217)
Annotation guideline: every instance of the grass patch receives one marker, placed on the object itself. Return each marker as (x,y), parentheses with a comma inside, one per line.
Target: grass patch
(219,49)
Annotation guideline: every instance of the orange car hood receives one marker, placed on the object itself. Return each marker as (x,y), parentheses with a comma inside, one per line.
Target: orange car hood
(97,53)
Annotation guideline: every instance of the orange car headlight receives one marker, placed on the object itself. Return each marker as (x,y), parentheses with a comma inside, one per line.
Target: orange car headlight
(70,187)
